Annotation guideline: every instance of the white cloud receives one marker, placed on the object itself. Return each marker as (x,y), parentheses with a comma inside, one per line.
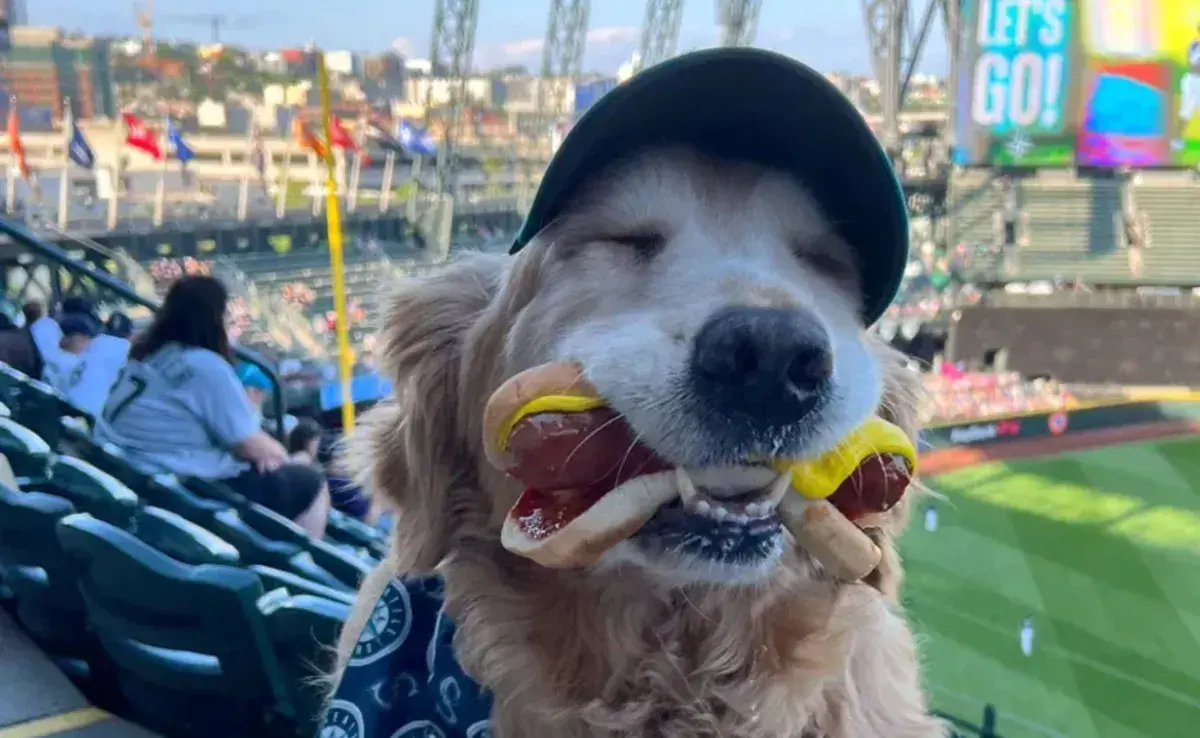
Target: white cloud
(528,51)
(405,47)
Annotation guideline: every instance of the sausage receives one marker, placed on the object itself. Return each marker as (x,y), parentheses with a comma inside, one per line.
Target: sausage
(556,451)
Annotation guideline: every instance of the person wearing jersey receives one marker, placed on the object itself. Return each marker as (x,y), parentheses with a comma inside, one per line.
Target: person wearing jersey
(1189,88)
(179,407)
(77,359)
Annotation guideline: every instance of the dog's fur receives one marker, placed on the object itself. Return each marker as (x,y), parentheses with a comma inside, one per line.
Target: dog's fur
(639,645)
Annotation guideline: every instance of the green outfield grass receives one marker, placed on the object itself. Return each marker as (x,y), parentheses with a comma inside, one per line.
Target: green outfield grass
(1102,549)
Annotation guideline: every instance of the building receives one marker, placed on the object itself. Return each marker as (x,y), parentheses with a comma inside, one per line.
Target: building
(14,11)
(44,67)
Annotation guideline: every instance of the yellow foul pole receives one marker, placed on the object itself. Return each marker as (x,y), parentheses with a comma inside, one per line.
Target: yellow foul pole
(333,219)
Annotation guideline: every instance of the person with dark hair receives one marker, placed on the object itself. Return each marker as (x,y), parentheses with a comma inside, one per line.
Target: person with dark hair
(119,325)
(79,362)
(307,442)
(179,407)
(17,347)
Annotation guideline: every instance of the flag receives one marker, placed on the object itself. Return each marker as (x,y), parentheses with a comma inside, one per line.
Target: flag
(383,139)
(180,149)
(16,146)
(416,140)
(78,149)
(340,136)
(307,139)
(140,136)
(258,154)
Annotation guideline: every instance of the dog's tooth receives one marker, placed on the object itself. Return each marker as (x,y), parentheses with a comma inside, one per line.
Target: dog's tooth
(739,518)
(702,506)
(779,488)
(757,510)
(719,513)
(687,490)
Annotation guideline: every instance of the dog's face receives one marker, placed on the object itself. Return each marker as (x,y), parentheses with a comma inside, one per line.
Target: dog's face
(715,308)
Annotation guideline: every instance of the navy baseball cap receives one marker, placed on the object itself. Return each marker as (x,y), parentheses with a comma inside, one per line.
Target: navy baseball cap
(120,325)
(80,324)
(748,105)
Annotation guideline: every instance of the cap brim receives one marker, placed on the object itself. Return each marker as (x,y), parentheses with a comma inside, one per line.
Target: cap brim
(750,105)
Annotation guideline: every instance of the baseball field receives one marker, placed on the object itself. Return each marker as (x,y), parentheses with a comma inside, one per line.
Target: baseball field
(1101,548)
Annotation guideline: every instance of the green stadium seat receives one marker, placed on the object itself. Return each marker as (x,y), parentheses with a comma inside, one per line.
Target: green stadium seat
(182,540)
(278,579)
(213,490)
(255,548)
(350,531)
(161,490)
(191,642)
(5,412)
(35,569)
(27,454)
(347,567)
(41,409)
(92,491)
(299,627)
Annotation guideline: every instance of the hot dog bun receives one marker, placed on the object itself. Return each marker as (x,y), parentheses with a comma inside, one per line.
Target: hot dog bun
(549,428)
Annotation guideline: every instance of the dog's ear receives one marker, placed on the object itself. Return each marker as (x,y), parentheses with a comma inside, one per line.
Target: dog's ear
(411,448)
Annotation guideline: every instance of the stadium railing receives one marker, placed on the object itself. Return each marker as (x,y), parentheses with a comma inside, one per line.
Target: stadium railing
(22,237)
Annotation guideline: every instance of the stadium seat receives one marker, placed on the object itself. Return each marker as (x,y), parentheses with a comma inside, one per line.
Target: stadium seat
(181,540)
(278,579)
(92,491)
(191,642)
(351,531)
(255,548)
(48,601)
(299,627)
(27,454)
(212,490)
(347,567)
(161,490)
(41,408)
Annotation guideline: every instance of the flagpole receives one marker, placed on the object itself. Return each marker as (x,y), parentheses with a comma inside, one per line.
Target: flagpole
(243,206)
(356,170)
(160,195)
(334,226)
(286,177)
(10,195)
(314,178)
(64,182)
(385,184)
(114,200)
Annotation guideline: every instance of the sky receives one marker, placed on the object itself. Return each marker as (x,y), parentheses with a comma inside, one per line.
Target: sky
(826,34)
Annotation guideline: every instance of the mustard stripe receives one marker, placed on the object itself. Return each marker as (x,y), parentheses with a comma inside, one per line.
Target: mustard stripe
(56,724)
(545,404)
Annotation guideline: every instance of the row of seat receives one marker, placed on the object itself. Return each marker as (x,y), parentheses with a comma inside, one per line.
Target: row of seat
(174,601)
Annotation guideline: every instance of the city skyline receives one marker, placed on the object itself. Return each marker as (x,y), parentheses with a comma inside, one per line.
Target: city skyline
(829,36)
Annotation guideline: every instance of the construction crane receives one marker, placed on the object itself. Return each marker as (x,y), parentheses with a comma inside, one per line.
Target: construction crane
(216,22)
(562,57)
(660,32)
(738,20)
(143,16)
(450,52)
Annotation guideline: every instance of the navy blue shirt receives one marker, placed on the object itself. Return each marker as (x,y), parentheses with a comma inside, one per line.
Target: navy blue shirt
(402,680)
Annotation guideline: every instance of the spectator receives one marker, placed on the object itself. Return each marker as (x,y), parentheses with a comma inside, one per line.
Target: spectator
(79,362)
(304,441)
(17,347)
(179,407)
(345,495)
(258,388)
(119,325)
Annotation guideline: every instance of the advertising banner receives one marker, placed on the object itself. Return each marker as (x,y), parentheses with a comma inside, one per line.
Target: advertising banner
(1015,84)
(1043,425)
(1140,82)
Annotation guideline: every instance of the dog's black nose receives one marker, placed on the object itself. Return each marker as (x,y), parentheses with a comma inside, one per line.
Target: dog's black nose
(768,364)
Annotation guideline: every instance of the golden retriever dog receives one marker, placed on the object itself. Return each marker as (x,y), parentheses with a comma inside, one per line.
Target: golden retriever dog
(692,291)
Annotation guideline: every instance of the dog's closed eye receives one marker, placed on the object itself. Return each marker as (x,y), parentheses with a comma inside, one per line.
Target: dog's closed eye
(646,243)
(829,256)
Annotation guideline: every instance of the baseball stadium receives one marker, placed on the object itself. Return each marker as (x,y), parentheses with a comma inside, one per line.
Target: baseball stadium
(1050,302)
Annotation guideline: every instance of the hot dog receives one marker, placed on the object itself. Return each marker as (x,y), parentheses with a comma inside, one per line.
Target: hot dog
(590,485)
